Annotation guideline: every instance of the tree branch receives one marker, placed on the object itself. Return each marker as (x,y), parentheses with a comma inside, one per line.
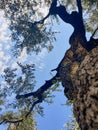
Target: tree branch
(94,33)
(38,94)
(42,21)
(6,120)
(51,12)
(79,5)
(33,105)
(2,121)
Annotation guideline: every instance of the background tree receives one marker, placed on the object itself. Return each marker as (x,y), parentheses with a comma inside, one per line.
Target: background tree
(32,29)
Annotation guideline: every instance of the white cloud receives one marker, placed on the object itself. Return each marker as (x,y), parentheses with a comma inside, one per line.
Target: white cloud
(5,45)
(39,60)
(41,66)
(2,67)
(0,46)
(1,54)
(3,28)
(42,54)
(6,58)
(4,42)
(23,56)
(14,65)
(43,10)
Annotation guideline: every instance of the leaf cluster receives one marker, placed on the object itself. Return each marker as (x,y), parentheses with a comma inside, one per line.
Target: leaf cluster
(25,33)
(13,85)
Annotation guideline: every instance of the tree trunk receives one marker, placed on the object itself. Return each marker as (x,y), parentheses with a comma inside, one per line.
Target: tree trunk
(86,91)
(79,76)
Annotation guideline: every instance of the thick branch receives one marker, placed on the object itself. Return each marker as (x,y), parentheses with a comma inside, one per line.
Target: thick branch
(79,7)
(41,90)
(37,94)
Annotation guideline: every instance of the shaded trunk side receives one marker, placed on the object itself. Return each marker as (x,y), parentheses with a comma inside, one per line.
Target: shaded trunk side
(79,77)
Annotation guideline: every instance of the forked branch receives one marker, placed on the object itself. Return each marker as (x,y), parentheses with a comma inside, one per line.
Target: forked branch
(51,12)
(39,98)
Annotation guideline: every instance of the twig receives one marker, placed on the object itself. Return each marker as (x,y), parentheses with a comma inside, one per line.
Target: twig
(33,105)
(94,33)
(52,7)
(5,120)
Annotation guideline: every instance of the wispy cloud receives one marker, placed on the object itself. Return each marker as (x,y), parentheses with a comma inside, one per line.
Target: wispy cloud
(4,42)
(2,67)
(39,60)
(5,45)
(3,28)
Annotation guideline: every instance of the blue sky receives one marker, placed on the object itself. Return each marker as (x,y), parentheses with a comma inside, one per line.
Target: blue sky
(56,114)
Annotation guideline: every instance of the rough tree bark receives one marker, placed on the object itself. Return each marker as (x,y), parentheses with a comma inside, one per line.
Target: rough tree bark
(80,81)
(85,83)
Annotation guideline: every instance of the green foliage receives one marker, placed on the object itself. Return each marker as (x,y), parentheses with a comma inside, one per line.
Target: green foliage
(69,102)
(72,125)
(27,124)
(15,84)
(1,102)
(24,82)
(22,15)
(90,16)
(48,95)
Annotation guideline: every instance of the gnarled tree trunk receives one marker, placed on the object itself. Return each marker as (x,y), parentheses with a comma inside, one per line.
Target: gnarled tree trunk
(85,83)
(79,76)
